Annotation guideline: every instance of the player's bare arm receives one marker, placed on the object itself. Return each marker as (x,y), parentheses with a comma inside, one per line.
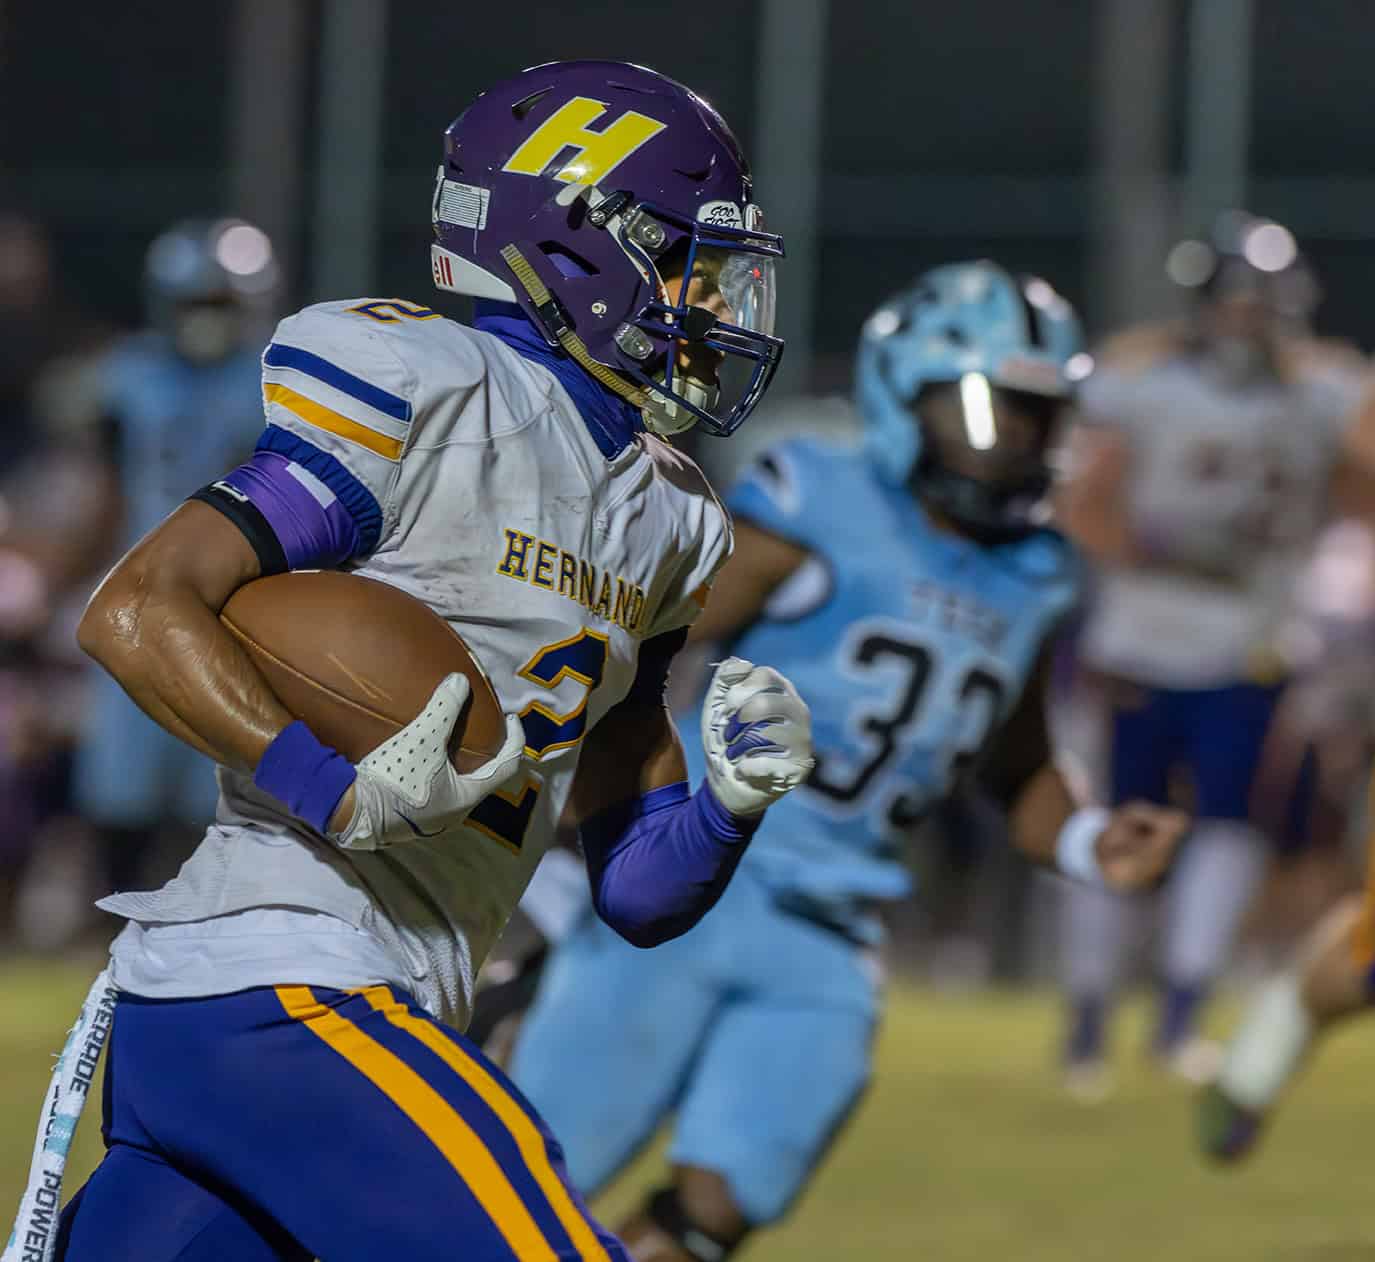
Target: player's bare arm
(1129,848)
(761,561)
(154,625)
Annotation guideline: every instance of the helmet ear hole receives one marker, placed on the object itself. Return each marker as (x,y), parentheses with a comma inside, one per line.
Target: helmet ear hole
(568,261)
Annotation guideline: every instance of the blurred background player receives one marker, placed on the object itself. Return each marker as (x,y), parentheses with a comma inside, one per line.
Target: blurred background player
(181,401)
(1331,978)
(911,592)
(1201,473)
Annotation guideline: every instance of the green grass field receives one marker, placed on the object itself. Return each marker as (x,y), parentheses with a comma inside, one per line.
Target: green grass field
(963,1150)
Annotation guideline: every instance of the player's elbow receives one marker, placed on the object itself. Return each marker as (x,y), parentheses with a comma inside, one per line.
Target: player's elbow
(642,924)
(644,937)
(113,621)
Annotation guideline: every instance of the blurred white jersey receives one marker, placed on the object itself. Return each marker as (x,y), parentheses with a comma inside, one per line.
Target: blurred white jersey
(487,497)
(1228,485)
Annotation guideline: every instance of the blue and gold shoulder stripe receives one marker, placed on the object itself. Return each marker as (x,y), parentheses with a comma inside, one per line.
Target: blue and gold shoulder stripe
(327,396)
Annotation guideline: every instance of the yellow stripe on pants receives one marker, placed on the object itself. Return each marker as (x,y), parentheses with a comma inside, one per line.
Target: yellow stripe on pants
(523,1130)
(432,1114)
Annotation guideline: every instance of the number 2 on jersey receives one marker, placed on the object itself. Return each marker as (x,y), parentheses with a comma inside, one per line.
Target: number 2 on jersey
(504,816)
(581,657)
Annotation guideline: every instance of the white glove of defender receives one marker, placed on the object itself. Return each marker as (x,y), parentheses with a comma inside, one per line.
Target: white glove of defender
(757,734)
(407,788)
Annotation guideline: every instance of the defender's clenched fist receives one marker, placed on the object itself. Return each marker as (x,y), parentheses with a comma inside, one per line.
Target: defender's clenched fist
(1138,845)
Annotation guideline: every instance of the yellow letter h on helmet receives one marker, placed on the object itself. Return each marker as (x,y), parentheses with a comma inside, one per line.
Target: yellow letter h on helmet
(597,153)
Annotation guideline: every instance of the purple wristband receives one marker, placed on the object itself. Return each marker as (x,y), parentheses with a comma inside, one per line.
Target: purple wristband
(305,776)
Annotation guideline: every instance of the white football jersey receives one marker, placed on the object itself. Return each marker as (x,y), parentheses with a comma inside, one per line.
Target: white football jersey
(498,510)
(1231,483)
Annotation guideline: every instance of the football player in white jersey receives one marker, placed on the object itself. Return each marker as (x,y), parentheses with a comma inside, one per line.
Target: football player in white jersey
(286,1075)
(1200,477)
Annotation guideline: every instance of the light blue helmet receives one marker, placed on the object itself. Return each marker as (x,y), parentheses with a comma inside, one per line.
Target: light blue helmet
(955,320)
(205,280)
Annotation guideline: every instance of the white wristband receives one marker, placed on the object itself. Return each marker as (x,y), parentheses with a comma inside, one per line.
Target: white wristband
(1076,849)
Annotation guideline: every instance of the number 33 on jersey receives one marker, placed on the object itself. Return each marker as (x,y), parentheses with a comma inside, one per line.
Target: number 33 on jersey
(911,645)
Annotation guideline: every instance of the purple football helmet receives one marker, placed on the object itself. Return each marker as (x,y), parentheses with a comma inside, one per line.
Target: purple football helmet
(570,189)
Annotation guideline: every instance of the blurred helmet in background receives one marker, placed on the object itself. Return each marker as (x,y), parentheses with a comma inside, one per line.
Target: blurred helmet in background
(960,381)
(571,189)
(209,283)
(1248,276)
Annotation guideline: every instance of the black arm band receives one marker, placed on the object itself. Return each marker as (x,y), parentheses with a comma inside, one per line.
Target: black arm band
(249,519)
(651,671)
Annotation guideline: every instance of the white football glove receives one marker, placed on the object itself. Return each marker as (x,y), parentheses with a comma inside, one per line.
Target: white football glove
(407,788)
(757,734)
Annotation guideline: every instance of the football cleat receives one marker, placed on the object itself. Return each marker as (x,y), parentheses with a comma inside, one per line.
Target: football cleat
(1227,1132)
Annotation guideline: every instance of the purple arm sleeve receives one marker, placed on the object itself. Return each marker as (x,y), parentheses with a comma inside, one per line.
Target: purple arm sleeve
(659,864)
(310,522)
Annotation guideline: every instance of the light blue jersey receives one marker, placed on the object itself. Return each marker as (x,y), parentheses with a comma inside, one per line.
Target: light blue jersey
(178,425)
(911,646)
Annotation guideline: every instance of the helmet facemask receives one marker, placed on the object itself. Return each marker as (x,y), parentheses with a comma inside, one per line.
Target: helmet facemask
(983,462)
(708,330)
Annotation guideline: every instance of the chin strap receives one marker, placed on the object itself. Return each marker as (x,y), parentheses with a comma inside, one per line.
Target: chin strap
(555,319)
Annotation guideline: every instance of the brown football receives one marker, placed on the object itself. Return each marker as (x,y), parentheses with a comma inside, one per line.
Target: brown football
(357,660)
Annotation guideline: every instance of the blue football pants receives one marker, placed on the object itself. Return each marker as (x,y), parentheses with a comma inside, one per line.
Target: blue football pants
(290,1123)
